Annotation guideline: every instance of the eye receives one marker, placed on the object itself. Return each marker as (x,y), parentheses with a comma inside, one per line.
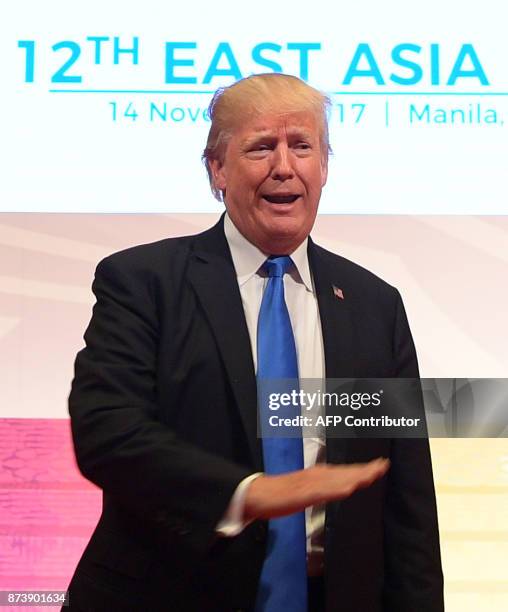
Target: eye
(304,146)
(259,149)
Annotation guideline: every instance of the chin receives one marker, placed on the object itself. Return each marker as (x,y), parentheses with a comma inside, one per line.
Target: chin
(284,240)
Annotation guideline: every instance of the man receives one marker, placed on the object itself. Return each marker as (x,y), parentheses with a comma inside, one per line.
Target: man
(164,408)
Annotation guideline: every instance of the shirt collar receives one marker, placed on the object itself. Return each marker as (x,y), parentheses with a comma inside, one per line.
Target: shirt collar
(247,258)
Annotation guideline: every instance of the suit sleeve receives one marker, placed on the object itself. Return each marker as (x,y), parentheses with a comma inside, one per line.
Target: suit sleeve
(120,442)
(413,579)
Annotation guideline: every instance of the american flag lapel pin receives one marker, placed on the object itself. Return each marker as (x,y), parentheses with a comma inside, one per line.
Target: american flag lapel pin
(337,292)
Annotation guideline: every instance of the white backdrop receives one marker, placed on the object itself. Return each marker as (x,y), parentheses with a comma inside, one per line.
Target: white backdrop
(420,97)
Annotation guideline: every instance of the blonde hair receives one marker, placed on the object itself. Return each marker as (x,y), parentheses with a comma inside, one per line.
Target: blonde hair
(257,94)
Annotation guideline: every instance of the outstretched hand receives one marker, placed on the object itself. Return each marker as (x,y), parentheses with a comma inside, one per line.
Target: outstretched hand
(273,496)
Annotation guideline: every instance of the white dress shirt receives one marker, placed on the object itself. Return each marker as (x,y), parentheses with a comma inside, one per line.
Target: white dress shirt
(303,310)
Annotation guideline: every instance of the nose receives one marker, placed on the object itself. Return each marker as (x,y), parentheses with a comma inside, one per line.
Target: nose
(282,168)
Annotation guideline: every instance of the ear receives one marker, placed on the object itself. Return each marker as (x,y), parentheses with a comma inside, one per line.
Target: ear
(324,170)
(218,174)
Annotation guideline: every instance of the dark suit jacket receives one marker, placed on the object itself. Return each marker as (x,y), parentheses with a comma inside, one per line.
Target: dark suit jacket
(163,411)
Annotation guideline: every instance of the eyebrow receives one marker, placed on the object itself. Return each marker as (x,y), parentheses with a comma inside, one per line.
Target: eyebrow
(265,133)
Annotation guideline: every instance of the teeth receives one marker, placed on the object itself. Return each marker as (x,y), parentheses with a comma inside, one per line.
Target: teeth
(285,199)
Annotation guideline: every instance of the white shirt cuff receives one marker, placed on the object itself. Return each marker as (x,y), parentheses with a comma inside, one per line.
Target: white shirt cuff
(233,523)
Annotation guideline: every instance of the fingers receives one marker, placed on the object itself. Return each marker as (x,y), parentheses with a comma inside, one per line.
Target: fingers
(364,475)
(335,482)
(369,472)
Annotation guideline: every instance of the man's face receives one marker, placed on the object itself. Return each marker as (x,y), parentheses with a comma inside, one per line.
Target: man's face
(271,176)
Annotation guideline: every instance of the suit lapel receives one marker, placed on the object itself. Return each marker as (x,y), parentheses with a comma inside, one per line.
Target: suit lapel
(335,314)
(212,274)
(337,328)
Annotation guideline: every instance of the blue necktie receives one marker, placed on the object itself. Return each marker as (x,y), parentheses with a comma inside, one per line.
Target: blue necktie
(283,583)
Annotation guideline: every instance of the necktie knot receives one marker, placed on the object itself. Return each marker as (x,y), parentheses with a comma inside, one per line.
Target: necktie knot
(277,266)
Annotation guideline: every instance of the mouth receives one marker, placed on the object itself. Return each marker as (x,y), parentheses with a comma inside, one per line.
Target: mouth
(281,198)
